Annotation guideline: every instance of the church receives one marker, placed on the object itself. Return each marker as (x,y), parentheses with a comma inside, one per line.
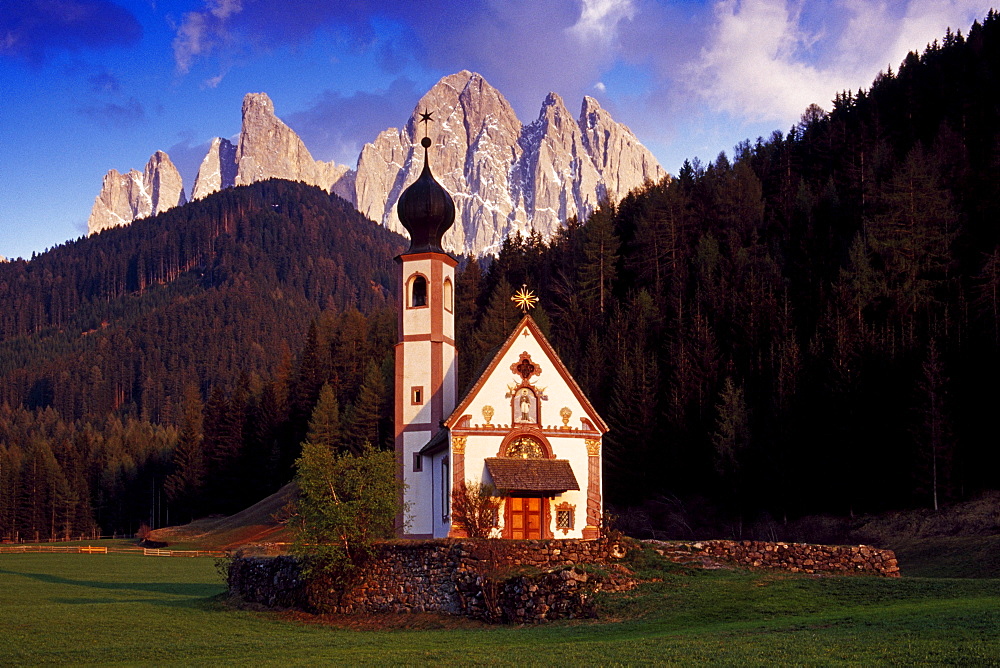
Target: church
(524,426)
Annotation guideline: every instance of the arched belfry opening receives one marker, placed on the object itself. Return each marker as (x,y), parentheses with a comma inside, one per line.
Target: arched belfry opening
(418,291)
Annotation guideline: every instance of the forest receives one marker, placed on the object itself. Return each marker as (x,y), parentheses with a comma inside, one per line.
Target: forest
(809,325)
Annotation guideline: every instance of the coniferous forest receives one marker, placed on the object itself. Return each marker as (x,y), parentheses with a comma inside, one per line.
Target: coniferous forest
(808,325)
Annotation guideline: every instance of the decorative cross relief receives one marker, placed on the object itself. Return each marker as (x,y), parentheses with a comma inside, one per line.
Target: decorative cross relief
(525,368)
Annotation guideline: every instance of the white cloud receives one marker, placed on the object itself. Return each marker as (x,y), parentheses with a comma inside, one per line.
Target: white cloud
(224,8)
(769,59)
(926,20)
(600,87)
(753,69)
(193,39)
(599,18)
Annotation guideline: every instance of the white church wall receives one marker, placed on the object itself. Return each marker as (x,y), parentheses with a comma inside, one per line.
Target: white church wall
(440,504)
(557,393)
(418,495)
(416,362)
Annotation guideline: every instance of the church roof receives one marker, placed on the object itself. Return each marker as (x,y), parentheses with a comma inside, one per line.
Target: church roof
(531,475)
(438,442)
(529,322)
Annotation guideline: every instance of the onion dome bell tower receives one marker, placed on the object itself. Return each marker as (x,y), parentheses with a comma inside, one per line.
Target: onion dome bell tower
(426,210)
(426,382)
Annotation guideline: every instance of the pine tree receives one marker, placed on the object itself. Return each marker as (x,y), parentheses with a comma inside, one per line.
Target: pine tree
(600,258)
(732,433)
(362,417)
(934,433)
(912,234)
(495,323)
(185,485)
(324,426)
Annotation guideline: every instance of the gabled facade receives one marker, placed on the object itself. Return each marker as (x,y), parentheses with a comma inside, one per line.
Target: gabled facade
(524,427)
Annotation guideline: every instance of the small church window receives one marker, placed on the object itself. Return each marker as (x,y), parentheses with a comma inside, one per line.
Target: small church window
(418,291)
(418,462)
(564,519)
(416,396)
(448,295)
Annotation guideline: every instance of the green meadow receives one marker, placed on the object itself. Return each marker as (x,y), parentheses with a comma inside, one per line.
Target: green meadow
(101,609)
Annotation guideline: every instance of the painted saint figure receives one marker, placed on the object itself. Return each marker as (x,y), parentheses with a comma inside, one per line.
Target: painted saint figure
(525,409)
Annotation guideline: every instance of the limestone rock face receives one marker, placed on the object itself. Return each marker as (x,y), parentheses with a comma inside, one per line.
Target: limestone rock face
(618,156)
(127,197)
(267,149)
(164,183)
(217,170)
(270,149)
(504,177)
(474,133)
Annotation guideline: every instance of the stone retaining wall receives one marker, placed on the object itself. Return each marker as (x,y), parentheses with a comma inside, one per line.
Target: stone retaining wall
(487,579)
(451,576)
(789,557)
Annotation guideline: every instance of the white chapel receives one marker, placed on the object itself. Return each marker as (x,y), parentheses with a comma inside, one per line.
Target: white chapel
(524,426)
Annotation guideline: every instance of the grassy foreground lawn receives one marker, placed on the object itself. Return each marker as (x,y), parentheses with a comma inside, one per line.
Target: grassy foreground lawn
(98,609)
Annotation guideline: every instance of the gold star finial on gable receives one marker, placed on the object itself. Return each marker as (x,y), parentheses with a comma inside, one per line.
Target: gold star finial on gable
(524,299)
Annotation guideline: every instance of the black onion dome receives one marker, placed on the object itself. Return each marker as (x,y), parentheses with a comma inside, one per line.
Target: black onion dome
(426,210)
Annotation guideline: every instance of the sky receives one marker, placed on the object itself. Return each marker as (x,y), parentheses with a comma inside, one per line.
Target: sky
(91,85)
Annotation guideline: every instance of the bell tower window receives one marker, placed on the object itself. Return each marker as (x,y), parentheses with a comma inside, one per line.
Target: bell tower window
(418,291)
(448,296)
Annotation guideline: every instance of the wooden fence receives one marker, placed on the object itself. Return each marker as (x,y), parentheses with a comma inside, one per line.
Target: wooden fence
(102,549)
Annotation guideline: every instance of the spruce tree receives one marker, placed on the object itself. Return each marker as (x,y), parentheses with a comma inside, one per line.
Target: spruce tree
(324,426)
(362,418)
(185,485)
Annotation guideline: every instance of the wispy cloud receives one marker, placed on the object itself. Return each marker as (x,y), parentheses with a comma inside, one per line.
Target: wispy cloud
(336,126)
(599,18)
(32,29)
(104,82)
(755,61)
(114,115)
(525,47)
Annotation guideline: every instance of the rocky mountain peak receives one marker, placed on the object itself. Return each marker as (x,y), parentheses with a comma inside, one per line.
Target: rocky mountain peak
(504,176)
(127,197)
(257,105)
(270,149)
(217,170)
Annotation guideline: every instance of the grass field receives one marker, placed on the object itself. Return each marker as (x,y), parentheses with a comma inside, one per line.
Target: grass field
(98,609)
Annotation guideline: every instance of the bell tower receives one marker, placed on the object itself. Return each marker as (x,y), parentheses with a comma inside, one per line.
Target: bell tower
(426,362)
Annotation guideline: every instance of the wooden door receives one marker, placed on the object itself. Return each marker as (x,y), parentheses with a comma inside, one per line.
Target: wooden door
(524,517)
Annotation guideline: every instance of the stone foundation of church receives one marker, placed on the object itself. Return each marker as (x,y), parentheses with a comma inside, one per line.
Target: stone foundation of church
(486,579)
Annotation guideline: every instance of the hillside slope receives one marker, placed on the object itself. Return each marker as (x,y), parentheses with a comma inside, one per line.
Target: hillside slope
(263,522)
(223,286)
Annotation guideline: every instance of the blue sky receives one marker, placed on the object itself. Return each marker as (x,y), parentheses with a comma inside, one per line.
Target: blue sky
(90,85)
